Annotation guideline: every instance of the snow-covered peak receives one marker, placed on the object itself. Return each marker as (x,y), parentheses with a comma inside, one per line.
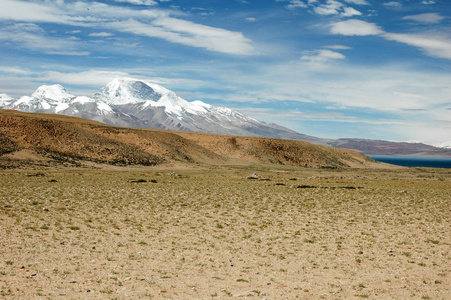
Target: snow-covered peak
(122,91)
(5,99)
(126,91)
(55,92)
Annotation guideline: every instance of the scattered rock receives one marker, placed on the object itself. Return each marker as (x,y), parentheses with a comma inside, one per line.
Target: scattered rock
(304,186)
(253,176)
(138,181)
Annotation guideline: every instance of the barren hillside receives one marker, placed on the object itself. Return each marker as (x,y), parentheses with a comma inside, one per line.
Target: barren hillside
(72,141)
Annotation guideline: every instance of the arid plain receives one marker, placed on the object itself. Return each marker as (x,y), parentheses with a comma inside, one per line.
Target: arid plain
(211,217)
(285,233)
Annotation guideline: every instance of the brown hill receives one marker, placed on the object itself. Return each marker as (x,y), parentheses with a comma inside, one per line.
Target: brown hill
(378,147)
(57,139)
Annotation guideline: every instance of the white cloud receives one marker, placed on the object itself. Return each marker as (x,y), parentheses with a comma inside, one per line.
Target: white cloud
(425,18)
(349,12)
(251,19)
(434,45)
(296,4)
(189,33)
(150,22)
(100,34)
(33,37)
(355,27)
(332,7)
(94,78)
(138,2)
(338,47)
(393,4)
(29,12)
(322,56)
(69,53)
(357,2)
(15,70)
(427,2)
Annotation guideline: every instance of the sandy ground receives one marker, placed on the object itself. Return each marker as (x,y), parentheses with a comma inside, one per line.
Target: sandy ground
(201,234)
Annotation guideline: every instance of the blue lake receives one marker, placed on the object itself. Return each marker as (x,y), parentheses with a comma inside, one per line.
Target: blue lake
(407,161)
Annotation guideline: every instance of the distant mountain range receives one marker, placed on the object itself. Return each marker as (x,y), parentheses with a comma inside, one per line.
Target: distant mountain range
(129,102)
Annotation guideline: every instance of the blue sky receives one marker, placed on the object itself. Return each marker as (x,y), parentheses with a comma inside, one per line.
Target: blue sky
(327,68)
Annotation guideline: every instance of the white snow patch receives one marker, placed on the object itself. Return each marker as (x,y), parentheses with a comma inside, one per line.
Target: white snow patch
(61,107)
(82,100)
(104,108)
(23,100)
(45,105)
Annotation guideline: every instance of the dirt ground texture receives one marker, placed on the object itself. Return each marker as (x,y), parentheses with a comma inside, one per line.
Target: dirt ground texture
(289,233)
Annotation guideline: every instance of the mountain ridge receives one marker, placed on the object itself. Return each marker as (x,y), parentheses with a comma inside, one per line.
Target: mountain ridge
(137,103)
(129,102)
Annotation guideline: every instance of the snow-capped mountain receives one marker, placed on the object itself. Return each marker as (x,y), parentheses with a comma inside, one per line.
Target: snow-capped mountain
(5,100)
(137,103)
(446,145)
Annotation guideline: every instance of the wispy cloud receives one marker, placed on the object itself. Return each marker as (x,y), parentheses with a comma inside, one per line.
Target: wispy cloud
(328,7)
(33,37)
(296,4)
(357,2)
(190,34)
(15,70)
(432,43)
(393,4)
(153,23)
(319,59)
(431,18)
(100,34)
(338,47)
(138,2)
(355,27)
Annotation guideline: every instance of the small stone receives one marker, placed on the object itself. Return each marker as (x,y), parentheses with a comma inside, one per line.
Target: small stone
(127,278)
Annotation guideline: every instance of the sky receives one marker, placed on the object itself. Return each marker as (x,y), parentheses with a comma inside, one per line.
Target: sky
(327,68)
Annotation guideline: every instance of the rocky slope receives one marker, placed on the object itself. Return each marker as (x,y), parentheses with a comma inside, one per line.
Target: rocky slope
(74,141)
